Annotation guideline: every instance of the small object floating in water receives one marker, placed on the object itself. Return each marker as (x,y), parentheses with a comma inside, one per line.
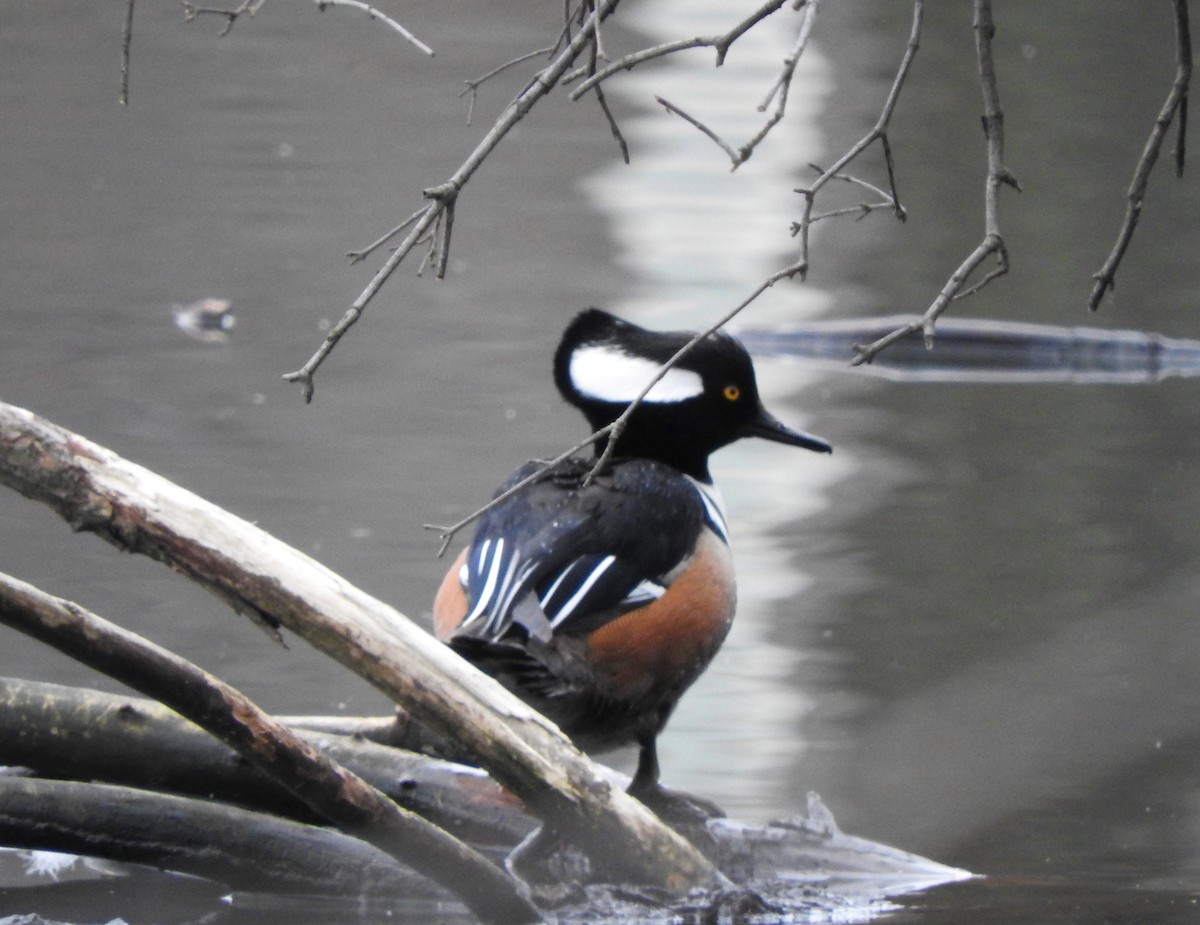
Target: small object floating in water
(209,320)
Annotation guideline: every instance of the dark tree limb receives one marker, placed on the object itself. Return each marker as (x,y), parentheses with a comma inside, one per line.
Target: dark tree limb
(97,491)
(330,790)
(1176,104)
(67,732)
(245,850)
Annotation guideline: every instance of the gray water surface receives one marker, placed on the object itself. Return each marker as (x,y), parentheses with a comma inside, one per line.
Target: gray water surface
(972,630)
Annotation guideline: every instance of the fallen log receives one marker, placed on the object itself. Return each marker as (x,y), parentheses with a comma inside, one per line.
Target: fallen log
(334,793)
(96,490)
(79,734)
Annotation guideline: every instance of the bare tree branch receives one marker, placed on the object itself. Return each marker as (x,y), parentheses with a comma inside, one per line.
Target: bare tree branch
(373,13)
(878,132)
(446,193)
(360,255)
(126,42)
(241,849)
(720,42)
(70,732)
(778,91)
(998,174)
(247,7)
(1176,103)
(472,86)
(96,490)
(333,792)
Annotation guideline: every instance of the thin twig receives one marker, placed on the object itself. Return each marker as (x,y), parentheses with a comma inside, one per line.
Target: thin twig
(612,431)
(443,241)
(246,7)
(446,534)
(878,132)
(472,86)
(360,255)
(704,129)
(126,42)
(720,42)
(373,13)
(998,174)
(1176,102)
(595,53)
(612,124)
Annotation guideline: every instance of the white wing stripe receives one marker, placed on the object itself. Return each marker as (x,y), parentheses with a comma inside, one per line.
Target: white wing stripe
(714,509)
(585,586)
(549,595)
(492,567)
(645,592)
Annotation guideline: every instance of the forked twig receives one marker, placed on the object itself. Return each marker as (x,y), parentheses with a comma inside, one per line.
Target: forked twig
(247,7)
(360,255)
(1176,103)
(472,86)
(998,174)
(719,42)
(778,91)
(442,197)
(878,132)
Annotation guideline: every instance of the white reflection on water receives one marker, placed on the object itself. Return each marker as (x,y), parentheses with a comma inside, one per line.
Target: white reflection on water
(697,239)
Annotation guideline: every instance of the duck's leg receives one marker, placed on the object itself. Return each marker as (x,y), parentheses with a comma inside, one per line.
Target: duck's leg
(673,806)
(645,784)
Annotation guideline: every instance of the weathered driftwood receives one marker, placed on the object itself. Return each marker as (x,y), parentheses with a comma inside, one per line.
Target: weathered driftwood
(244,850)
(336,794)
(96,490)
(68,732)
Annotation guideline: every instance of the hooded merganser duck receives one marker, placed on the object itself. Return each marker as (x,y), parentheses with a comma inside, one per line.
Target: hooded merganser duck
(599,601)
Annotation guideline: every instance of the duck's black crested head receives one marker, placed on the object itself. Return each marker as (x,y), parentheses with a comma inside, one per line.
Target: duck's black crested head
(706,401)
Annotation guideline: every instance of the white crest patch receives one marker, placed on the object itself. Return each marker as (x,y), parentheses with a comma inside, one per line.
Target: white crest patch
(604,372)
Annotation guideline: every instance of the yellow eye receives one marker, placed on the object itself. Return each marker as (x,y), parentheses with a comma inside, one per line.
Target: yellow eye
(732,392)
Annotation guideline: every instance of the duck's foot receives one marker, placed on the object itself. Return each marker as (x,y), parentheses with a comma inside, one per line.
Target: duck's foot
(677,808)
